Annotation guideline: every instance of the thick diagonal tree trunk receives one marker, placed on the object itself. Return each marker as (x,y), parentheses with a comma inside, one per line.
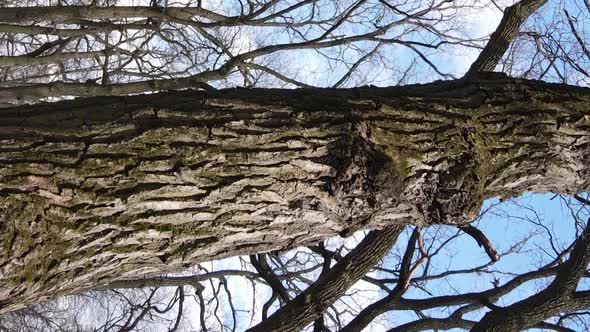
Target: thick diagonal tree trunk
(113,188)
(509,27)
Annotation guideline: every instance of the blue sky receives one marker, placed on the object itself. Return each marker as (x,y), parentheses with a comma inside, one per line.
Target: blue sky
(506,225)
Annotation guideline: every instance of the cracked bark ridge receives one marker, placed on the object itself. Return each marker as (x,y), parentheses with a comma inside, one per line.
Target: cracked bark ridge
(106,189)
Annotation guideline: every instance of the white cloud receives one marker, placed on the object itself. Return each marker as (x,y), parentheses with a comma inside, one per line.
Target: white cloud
(479,23)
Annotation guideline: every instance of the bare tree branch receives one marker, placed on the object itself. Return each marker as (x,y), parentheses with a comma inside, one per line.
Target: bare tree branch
(514,17)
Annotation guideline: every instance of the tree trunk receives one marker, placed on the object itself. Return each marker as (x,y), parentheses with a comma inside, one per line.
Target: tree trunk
(509,27)
(112,188)
(314,300)
(559,296)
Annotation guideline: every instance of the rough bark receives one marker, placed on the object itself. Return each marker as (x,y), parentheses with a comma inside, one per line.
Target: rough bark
(98,190)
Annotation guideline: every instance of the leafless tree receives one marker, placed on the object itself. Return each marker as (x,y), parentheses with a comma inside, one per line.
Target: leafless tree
(286,275)
(88,49)
(118,190)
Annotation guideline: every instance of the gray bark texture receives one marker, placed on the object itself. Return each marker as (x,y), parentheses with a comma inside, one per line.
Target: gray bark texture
(106,189)
(514,16)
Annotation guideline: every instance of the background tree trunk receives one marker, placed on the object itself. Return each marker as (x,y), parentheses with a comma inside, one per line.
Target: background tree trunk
(103,189)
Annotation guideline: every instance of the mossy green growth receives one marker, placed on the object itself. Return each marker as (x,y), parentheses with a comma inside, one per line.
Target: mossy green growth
(487,164)
(404,165)
(8,239)
(398,149)
(48,255)
(35,235)
(19,212)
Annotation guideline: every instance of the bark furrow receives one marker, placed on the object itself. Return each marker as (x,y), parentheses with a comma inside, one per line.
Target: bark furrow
(111,188)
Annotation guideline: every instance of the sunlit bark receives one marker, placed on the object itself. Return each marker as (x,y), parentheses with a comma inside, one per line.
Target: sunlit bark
(113,188)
